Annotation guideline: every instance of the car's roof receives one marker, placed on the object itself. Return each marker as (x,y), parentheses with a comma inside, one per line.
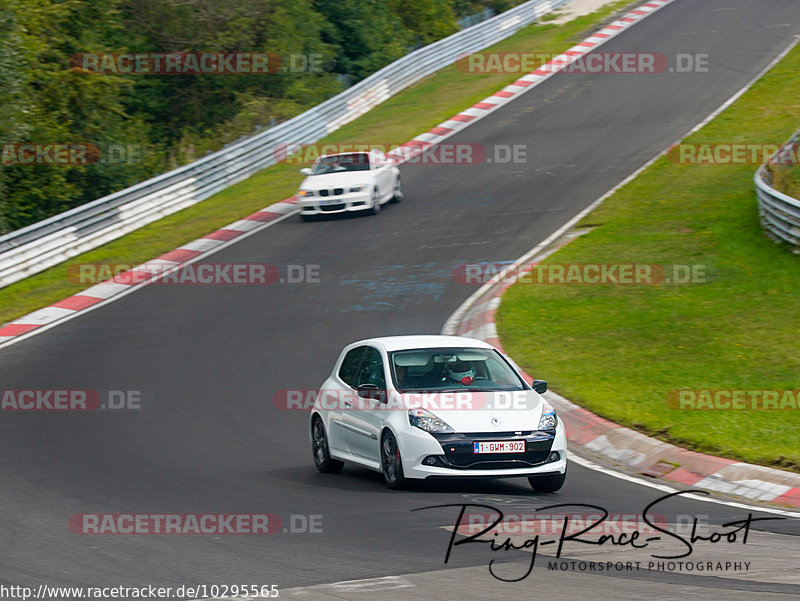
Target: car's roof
(399,343)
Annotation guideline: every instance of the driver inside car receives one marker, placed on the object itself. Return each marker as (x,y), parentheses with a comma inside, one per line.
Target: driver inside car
(459,372)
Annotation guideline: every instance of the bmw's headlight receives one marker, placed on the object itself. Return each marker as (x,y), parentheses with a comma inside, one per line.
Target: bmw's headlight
(549,419)
(425,420)
(358,188)
(306,193)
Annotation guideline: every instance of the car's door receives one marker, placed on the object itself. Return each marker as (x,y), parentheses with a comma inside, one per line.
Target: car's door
(364,420)
(341,393)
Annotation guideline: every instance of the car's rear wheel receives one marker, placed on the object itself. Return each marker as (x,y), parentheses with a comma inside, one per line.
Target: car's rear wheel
(375,208)
(319,446)
(391,462)
(398,190)
(549,483)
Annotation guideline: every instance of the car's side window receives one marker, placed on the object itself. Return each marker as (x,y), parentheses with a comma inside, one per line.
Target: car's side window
(371,370)
(348,372)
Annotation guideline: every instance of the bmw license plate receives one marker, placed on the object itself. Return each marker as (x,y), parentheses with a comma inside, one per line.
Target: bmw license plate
(499,446)
(329,201)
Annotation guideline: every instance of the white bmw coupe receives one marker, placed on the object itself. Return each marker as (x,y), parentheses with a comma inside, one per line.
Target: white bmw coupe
(349,182)
(416,407)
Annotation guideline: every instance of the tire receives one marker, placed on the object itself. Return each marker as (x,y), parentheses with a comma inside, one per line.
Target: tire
(391,462)
(398,191)
(550,483)
(319,448)
(376,203)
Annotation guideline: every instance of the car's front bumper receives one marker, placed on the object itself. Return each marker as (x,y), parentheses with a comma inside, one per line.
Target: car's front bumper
(330,205)
(456,459)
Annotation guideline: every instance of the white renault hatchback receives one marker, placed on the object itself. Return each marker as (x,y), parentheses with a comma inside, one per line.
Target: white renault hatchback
(349,182)
(416,407)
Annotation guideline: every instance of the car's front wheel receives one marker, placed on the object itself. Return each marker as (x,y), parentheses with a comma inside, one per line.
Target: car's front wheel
(398,190)
(549,483)
(319,446)
(391,463)
(375,208)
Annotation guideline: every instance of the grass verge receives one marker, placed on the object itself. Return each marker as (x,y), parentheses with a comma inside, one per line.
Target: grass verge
(786,179)
(619,350)
(397,120)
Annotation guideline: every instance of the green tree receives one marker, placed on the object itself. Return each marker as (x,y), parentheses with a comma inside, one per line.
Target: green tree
(188,113)
(48,103)
(428,20)
(368,34)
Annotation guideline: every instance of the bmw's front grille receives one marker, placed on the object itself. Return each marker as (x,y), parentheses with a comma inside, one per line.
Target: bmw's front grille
(336,207)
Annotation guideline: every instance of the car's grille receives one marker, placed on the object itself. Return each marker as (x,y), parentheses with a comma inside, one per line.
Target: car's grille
(459,453)
(333,192)
(336,207)
(503,435)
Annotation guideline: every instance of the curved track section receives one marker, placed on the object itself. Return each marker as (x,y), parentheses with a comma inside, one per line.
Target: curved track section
(209,359)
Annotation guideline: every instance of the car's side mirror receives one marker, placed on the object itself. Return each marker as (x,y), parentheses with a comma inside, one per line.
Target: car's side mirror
(305,171)
(540,386)
(371,391)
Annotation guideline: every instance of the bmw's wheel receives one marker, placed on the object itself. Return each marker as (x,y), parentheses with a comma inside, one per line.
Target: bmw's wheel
(375,208)
(319,446)
(398,190)
(550,483)
(391,464)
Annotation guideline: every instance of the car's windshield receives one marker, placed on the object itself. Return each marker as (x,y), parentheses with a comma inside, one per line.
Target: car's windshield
(440,369)
(341,162)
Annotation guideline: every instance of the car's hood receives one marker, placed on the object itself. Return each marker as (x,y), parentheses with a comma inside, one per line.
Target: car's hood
(342,179)
(483,411)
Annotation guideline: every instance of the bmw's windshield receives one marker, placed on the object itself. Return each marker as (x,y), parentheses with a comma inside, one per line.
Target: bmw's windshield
(341,162)
(449,369)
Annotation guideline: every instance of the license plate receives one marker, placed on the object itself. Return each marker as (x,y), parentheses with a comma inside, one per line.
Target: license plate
(330,201)
(500,446)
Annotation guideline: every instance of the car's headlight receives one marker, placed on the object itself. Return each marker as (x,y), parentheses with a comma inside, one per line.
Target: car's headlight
(358,188)
(549,419)
(305,193)
(425,420)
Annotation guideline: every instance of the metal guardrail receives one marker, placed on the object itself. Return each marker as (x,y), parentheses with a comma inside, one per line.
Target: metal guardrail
(470,20)
(51,241)
(779,212)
